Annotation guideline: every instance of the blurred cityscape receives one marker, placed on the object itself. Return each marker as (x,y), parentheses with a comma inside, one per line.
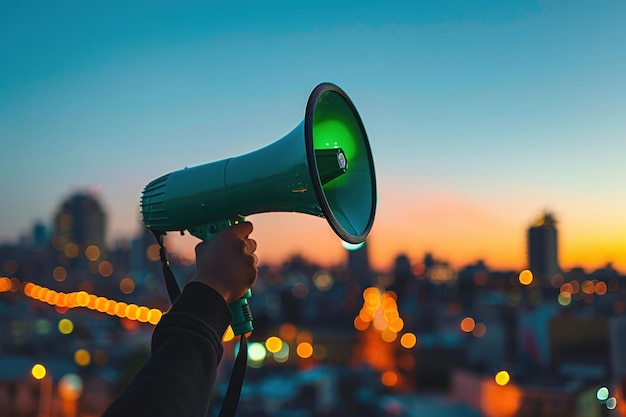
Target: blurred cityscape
(422,339)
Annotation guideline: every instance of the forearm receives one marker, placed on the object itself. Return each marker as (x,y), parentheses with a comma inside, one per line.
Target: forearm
(178,378)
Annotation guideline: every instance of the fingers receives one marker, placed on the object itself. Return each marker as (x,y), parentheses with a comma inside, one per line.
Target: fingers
(242,229)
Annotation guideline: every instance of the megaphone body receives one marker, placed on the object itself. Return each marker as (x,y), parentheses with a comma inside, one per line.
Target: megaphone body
(323,167)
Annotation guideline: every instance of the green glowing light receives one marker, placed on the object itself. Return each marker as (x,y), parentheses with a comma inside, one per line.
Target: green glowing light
(256,352)
(602,394)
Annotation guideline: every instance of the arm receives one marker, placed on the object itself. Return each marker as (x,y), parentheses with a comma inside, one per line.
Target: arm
(178,378)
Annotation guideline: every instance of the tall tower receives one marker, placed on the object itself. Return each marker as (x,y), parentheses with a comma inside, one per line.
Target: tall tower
(543,249)
(81,220)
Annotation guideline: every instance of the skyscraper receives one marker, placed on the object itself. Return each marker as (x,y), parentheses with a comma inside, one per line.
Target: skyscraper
(80,220)
(543,249)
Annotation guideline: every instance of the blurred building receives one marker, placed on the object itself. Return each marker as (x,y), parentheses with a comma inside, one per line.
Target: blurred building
(543,249)
(81,220)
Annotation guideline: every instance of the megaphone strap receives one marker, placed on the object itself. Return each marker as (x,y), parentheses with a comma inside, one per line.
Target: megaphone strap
(231,399)
(233,392)
(173,290)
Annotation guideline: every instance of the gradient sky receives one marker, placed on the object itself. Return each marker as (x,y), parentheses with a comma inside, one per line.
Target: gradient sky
(480,114)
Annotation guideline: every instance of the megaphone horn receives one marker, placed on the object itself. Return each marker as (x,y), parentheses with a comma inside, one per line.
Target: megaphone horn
(323,167)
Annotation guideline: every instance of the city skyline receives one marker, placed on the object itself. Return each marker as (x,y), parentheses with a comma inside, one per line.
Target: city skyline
(480,116)
(184,245)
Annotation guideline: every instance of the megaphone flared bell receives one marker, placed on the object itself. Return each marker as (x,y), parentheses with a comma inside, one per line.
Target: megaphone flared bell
(323,167)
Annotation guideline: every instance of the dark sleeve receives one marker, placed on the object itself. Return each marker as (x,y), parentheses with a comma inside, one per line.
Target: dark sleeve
(178,378)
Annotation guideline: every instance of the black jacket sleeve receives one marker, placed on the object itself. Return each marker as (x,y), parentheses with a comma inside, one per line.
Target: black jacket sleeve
(179,376)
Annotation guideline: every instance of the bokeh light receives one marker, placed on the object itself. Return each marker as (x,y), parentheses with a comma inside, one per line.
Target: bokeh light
(408,340)
(256,352)
(304,350)
(59,274)
(127,285)
(38,371)
(66,326)
(602,394)
(273,344)
(389,378)
(525,277)
(92,252)
(502,378)
(468,324)
(82,357)
(70,387)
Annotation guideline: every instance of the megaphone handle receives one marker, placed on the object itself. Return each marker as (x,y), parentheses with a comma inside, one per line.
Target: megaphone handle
(242,316)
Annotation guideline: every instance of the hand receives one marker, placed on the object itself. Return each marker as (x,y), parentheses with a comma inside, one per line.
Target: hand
(227,262)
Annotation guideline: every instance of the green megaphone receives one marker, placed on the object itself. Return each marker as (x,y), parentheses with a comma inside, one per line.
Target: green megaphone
(323,167)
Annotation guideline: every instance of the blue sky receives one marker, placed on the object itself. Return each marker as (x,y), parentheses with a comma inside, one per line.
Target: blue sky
(480,114)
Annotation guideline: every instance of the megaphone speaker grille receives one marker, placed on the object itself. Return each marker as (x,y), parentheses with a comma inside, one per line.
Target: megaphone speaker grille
(347,192)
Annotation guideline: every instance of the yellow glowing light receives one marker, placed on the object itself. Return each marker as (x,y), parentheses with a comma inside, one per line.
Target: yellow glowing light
(408,340)
(92,252)
(110,306)
(468,324)
(82,299)
(28,288)
(273,344)
(127,285)
(601,288)
(372,301)
(142,314)
(154,316)
(62,300)
(38,371)
(105,269)
(389,378)
(101,304)
(42,293)
(366,315)
(380,323)
(388,335)
(72,300)
(396,325)
(59,274)
(120,309)
(131,311)
(525,277)
(82,357)
(92,301)
(370,290)
(502,378)
(228,334)
(51,297)
(304,350)
(66,326)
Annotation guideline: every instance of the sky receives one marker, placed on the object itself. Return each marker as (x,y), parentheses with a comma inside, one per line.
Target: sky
(480,115)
